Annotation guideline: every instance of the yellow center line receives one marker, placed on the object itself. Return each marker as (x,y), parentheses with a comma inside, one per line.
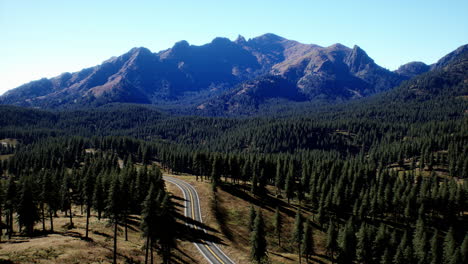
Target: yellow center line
(193,216)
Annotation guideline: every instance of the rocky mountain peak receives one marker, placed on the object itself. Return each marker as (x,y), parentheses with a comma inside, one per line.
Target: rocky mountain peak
(358,59)
(240,40)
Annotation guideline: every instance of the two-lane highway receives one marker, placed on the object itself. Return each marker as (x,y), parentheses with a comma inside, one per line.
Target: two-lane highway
(209,250)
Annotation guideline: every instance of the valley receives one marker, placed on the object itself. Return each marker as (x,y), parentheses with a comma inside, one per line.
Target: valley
(263,150)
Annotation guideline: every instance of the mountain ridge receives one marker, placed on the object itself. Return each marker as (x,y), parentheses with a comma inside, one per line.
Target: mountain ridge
(218,71)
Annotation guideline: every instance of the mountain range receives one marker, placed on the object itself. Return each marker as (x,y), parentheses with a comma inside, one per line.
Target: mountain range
(223,76)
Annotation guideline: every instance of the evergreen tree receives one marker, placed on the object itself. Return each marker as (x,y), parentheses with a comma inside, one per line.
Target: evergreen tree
(386,258)
(279,177)
(449,246)
(99,196)
(346,243)
(298,232)
(380,243)
(331,240)
(401,255)
(50,196)
(88,194)
(66,197)
(364,244)
(10,204)
(167,234)
(456,258)
(149,218)
(278,225)
(216,169)
(290,184)
(258,240)
(252,216)
(464,250)
(28,213)
(420,242)
(254,186)
(307,241)
(114,210)
(126,191)
(435,249)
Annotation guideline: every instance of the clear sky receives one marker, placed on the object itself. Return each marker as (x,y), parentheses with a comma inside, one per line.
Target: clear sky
(47,37)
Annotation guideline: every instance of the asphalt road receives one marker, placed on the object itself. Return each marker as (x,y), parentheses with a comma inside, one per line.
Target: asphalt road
(208,249)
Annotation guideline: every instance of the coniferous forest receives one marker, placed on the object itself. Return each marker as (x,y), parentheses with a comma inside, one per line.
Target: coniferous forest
(383,179)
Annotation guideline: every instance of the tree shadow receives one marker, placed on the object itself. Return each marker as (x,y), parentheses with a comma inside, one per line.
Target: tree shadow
(102,234)
(194,234)
(279,255)
(316,260)
(264,201)
(194,222)
(177,259)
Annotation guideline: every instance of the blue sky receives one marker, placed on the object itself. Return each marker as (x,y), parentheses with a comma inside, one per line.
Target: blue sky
(45,38)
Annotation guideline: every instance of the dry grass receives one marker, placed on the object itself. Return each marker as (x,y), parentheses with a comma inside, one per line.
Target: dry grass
(8,142)
(4,157)
(69,246)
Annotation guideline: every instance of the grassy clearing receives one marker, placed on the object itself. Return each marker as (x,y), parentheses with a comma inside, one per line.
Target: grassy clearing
(5,157)
(8,142)
(69,246)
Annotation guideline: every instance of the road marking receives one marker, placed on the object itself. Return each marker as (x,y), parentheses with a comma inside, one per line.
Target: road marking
(193,216)
(186,212)
(185,186)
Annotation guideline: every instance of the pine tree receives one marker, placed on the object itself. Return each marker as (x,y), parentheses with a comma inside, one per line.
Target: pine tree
(28,213)
(307,241)
(331,240)
(464,250)
(258,240)
(435,249)
(386,258)
(252,217)
(125,191)
(449,246)
(216,169)
(346,243)
(42,198)
(420,242)
(401,255)
(88,189)
(456,258)
(279,182)
(167,234)
(49,194)
(149,218)
(99,196)
(278,225)
(10,204)
(66,197)
(254,186)
(290,184)
(114,210)
(380,243)
(298,232)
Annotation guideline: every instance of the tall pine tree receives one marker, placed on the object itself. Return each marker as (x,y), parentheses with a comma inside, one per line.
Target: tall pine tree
(257,239)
